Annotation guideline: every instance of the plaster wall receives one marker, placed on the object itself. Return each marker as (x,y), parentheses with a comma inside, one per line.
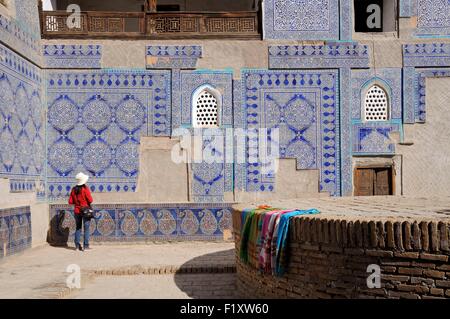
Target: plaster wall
(217,54)
(386,51)
(289,183)
(40,221)
(426,163)
(160,179)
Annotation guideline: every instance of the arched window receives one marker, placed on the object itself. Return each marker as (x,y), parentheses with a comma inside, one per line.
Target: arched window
(376,104)
(205,108)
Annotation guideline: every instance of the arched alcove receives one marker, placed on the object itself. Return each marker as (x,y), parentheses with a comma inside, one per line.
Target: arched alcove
(375,103)
(206,107)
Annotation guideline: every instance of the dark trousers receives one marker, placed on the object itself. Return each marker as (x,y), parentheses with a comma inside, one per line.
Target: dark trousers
(79,221)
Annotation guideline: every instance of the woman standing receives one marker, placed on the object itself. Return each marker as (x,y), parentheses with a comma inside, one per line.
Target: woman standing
(81,197)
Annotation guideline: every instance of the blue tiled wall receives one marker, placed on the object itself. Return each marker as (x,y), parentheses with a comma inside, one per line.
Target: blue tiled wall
(146,222)
(95,121)
(304,106)
(22,121)
(297,19)
(15,230)
(433,17)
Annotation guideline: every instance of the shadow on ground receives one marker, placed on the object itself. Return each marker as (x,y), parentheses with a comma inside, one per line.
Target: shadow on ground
(211,276)
(57,234)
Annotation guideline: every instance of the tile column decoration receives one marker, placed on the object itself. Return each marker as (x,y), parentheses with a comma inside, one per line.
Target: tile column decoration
(238,124)
(345,78)
(346,23)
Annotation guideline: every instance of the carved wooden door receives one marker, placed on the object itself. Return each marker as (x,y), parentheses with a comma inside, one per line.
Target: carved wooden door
(373,181)
(383,181)
(364,185)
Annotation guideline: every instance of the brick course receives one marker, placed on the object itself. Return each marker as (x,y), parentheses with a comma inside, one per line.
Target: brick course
(329,259)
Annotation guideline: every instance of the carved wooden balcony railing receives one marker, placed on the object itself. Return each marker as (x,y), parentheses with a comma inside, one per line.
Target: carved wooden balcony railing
(151,25)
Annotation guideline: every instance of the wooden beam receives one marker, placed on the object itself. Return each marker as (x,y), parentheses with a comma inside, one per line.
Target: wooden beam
(152,5)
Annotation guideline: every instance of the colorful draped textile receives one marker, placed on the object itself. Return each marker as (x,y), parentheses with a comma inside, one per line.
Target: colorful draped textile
(265,229)
(249,231)
(281,254)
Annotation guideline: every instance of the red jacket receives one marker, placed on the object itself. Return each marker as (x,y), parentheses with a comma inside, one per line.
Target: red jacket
(83,199)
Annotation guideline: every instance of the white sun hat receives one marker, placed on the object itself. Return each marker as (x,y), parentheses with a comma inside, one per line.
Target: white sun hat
(81,179)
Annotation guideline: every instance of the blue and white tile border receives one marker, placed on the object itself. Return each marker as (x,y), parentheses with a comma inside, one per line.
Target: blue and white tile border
(72,56)
(173,56)
(331,55)
(426,55)
(148,222)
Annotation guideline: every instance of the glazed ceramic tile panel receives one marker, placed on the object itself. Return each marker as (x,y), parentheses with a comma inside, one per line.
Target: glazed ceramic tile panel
(15,230)
(20,37)
(300,19)
(433,17)
(332,55)
(190,81)
(304,106)
(422,60)
(408,8)
(22,121)
(95,121)
(209,180)
(61,56)
(212,178)
(390,79)
(426,55)
(173,56)
(146,222)
(420,92)
(374,138)
(27,16)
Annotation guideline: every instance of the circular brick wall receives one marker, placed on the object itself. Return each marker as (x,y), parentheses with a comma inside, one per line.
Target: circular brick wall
(329,258)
